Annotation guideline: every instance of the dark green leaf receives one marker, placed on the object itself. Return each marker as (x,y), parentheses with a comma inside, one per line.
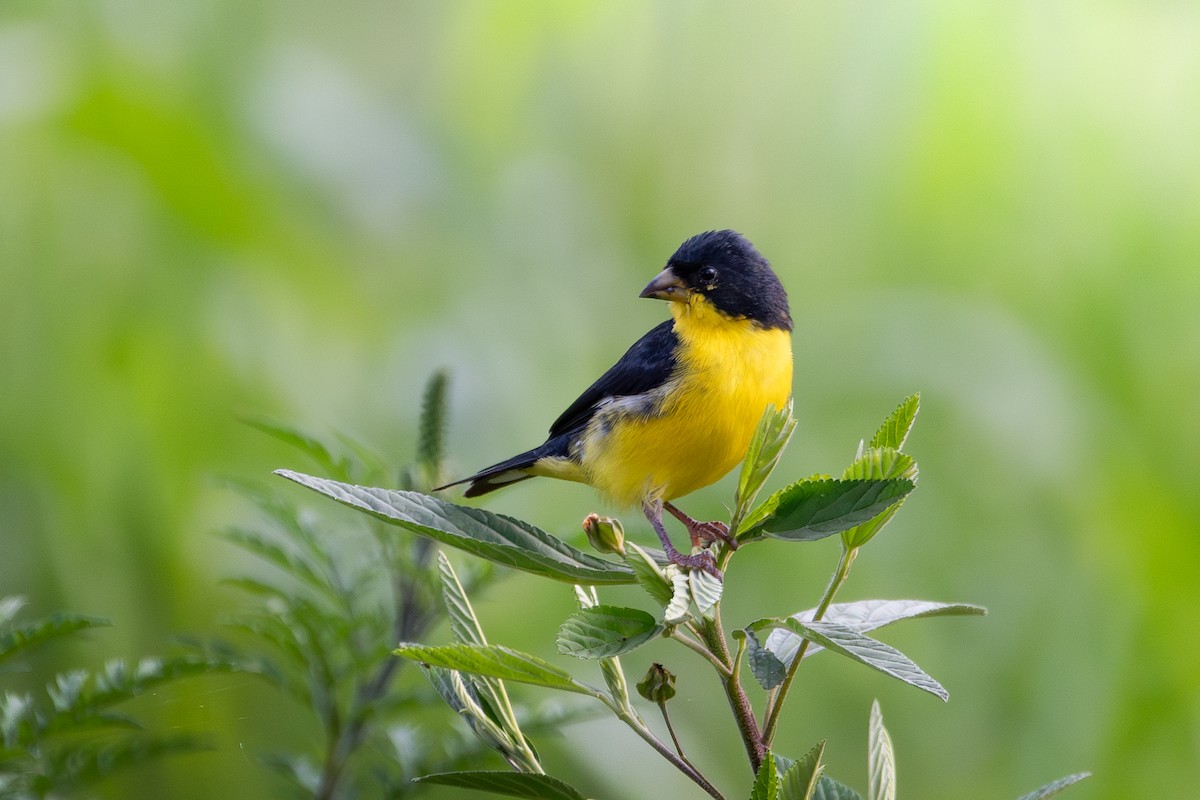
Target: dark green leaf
(813,509)
(829,789)
(509,784)
(496,662)
(863,649)
(497,538)
(766,782)
(895,429)
(768,670)
(800,780)
(1051,789)
(606,631)
(864,616)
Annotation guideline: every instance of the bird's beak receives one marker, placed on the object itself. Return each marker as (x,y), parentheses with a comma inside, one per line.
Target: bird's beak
(666,286)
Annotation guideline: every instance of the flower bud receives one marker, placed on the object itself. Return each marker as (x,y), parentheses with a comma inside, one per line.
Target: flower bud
(605,534)
(659,684)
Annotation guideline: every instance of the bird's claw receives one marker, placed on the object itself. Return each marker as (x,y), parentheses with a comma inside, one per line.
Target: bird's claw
(704,561)
(705,533)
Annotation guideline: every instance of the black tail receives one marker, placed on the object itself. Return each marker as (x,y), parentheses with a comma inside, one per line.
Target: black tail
(510,471)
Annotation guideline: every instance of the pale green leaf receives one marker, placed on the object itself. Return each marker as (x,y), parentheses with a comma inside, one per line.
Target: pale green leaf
(774,430)
(606,631)
(829,789)
(881,759)
(799,782)
(705,589)
(648,574)
(679,609)
(1051,789)
(509,784)
(895,429)
(863,616)
(495,537)
(494,661)
(860,648)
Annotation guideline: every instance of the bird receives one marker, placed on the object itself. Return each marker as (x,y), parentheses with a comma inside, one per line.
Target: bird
(678,409)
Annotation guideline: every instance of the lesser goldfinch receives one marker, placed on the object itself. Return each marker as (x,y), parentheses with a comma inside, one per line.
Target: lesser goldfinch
(677,411)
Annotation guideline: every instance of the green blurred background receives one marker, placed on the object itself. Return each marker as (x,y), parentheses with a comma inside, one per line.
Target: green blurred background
(302,210)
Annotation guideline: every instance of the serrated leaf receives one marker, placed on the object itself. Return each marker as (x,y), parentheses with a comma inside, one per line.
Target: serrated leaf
(766,782)
(648,574)
(774,430)
(813,509)
(881,759)
(1051,789)
(860,648)
(799,782)
(17,639)
(863,616)
(509,784)
(464,625)
(895,429)
(494,661)
(766,667)
(606,631)
(679,609)
(705,590)
(497,538)
(829,789)
(881,464)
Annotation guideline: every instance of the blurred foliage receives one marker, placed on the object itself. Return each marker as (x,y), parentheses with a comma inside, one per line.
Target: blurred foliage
(302,210)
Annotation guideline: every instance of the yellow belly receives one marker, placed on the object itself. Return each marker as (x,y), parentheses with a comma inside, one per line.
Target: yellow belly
(730,370)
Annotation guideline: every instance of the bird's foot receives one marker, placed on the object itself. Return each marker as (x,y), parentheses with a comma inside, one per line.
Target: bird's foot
(704,561)
(703,533)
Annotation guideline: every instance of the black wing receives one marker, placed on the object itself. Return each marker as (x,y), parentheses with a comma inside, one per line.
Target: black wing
(646,365)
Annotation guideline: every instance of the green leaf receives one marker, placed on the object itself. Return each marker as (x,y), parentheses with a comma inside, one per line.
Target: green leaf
(766,667)
(497,538)
(774,430)
(494,661)
(509,784)
(766,782)
(16,640)
(799,782)
(648,574)
(464,625)
(432,427)
(879,464)
(306,444)
(606,631)
(829,789)
(863,616)
(813,509)
(860,648)
(895,429)
(881,759)
(1051,789)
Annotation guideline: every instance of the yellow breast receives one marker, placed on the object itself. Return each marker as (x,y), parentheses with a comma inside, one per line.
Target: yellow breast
(728,372)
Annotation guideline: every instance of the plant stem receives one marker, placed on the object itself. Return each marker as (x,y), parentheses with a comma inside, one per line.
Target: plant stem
(630,718)
(692,644)
(775,703)
(739,703)
(671,730)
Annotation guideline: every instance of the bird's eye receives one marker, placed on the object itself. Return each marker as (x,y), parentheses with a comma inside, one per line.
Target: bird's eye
(707,275)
